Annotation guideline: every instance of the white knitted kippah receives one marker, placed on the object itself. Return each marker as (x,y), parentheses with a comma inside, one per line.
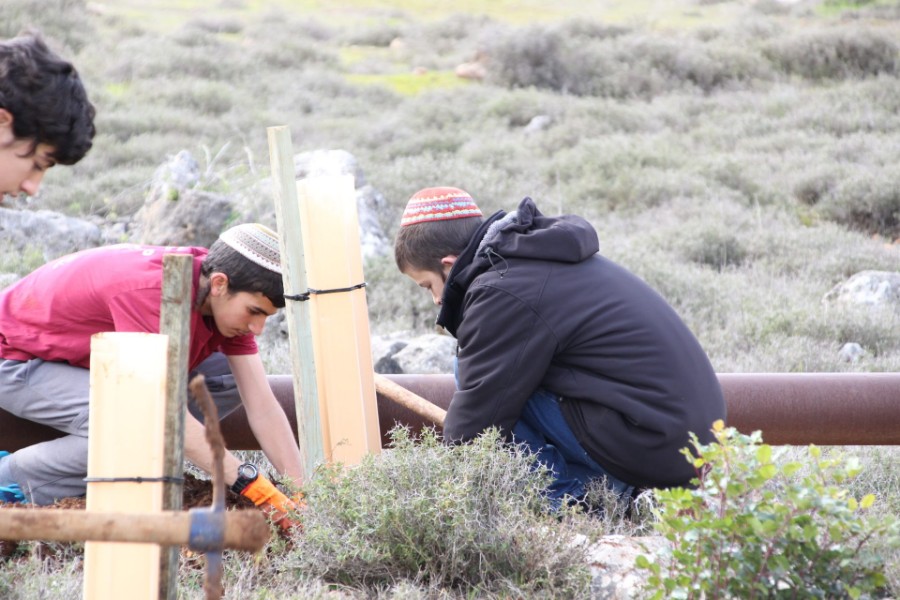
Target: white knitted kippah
(255,242)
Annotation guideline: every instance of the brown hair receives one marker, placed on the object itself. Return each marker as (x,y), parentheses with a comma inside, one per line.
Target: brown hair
(423,245)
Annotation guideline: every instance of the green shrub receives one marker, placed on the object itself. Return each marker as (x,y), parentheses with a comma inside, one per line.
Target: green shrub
(654,65)
(847,3)
(379,33)
(466,517)
(20,261)
(584,30)
(417,313)
(867,199)
(214,24)
(835,54)
(45,570)
(209,98)
(716,247)
(295,53)
(815,185)
(63,22)
(753,528)
(532,57)
(186,53)
(617,64)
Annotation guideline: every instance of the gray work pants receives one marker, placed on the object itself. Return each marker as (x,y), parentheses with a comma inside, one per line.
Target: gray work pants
(57,395)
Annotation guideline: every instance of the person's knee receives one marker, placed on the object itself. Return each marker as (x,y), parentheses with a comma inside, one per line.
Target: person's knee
(51,470)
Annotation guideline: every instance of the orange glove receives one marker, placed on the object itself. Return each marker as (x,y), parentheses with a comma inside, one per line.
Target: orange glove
(274,503)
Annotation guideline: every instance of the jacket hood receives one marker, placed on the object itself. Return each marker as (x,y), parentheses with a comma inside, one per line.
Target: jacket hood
(527,233)
(523,233)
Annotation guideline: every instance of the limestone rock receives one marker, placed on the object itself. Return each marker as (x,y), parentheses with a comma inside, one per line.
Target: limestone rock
(54,234)
(615,576)
(538,123)
(427,354)
(851,352)
(871,288)
(471,70)
(175,212)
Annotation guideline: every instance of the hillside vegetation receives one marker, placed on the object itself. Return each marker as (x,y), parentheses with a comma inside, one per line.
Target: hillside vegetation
(740,156)
(743,168)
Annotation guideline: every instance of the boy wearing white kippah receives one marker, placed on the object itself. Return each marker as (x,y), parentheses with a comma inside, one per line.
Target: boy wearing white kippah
(558,347)
(48,317)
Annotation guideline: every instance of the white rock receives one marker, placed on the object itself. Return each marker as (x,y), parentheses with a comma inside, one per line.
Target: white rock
(871,288)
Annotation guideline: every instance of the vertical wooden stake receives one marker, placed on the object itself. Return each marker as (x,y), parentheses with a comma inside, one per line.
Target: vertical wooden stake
(175,322)
(128,389)
(340,319)
(293,263)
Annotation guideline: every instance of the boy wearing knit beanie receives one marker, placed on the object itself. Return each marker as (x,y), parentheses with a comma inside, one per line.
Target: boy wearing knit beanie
(48,317)
(560,348)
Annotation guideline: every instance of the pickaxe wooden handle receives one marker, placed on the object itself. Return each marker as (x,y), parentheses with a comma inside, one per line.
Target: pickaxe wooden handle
(244,529)
(406,398)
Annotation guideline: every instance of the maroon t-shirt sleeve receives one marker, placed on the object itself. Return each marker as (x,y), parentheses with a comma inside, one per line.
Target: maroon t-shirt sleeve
(245,344)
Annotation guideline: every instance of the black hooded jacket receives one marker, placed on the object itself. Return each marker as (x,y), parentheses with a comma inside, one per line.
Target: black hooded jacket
(533,305)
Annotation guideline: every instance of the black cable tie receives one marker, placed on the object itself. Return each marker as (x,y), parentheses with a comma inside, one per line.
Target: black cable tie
(304,297)
(166,479)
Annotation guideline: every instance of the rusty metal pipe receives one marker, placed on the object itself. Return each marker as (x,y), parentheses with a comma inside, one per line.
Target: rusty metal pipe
(841,409)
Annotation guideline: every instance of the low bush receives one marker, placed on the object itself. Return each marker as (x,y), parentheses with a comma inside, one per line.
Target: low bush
(64,22)
(533,57)
(867,199)
(835,54)
(468,517)
(619,65)
(753,528)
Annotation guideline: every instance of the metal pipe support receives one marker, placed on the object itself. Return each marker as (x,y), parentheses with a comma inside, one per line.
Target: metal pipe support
(789,408)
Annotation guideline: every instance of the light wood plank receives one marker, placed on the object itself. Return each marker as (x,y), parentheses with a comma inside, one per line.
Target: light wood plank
(128,391)
(340,321)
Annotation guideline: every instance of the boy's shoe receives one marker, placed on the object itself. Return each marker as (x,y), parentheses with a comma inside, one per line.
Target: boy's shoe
(11,494)
(9,491)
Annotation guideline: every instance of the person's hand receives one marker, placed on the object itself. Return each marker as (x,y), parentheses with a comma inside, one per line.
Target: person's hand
(280,509)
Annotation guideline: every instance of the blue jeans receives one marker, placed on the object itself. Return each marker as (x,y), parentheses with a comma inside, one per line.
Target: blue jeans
(543,429)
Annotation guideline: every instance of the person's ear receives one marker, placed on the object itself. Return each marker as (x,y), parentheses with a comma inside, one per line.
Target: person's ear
(218,284)
(6,127)
(448,260)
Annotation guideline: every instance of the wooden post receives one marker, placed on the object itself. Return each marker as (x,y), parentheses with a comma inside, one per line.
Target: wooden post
(298,316)
(175,322)
(127,417)
(340,318)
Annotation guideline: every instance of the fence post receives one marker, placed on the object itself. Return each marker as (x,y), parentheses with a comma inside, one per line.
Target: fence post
(175,322)
(127,415)
(293,263)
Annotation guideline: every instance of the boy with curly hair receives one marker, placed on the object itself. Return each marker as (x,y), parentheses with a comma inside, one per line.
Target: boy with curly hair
(45,115)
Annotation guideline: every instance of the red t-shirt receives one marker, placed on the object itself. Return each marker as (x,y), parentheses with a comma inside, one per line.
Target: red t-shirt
(53,312)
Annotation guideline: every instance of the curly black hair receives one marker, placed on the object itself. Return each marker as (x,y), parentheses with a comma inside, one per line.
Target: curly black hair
(46,98)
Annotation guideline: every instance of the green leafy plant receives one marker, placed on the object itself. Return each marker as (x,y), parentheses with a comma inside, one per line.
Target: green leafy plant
(756,528)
